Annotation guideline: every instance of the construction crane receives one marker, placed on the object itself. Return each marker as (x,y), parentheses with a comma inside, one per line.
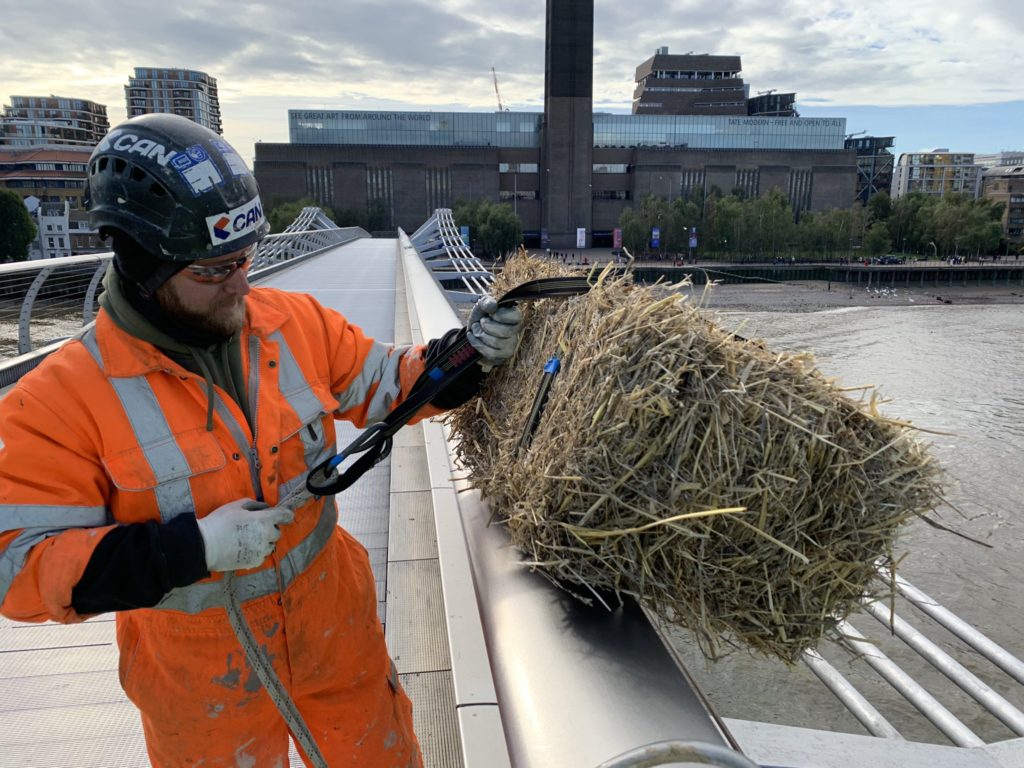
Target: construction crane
(497,93)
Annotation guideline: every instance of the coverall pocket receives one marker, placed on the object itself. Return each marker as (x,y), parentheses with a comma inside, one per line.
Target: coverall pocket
(180,456)
(312,435)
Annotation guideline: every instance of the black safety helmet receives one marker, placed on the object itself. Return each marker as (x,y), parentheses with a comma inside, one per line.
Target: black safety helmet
(175,188)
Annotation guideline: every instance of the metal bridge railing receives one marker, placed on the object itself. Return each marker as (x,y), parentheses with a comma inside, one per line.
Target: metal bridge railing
(44,302)
(925,703)
(451,262)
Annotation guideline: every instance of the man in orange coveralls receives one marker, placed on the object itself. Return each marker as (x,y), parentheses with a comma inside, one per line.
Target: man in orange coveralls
(145,458)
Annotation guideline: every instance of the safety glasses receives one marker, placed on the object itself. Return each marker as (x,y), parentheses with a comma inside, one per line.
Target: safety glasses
(220,272)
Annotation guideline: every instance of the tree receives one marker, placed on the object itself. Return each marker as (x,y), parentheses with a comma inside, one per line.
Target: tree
(16,227)
(728,227)
(500,231)
(495,229)
(771,222)
(683,215)
(876,241)
(655,212)
(378,216)
(879,207)
(285,213)
(350,217)
(635,235)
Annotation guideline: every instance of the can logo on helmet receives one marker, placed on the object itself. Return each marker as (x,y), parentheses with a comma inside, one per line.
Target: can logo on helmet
(130,144)
(236,223)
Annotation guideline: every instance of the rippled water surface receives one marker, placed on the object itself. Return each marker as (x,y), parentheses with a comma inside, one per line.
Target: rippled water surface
(955,369)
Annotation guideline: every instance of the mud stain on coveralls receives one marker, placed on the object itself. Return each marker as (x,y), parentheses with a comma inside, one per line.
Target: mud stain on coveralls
(242,759)
(232,677)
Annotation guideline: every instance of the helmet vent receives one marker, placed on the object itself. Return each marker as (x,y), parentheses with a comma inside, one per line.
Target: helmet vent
(119,165)
(158,189)
(103,163)
(137,174)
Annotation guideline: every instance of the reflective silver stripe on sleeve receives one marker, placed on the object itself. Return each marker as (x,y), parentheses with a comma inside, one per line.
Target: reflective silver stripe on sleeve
(15,516)
(174,496)
(13,557)
(381,367)
(250,586)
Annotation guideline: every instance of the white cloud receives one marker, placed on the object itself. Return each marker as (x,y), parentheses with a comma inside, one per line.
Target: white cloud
(268,57)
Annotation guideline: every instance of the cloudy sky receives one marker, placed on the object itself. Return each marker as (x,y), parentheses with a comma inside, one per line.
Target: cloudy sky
(910,68)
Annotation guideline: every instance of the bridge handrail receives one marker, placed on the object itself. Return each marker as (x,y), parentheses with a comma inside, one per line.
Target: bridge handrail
(607,669)
(442,249)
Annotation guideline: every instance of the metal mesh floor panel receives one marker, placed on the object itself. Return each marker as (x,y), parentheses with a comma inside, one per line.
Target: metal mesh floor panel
(409,470)
(434,718)
(357,279)
(408,436)
(412,534)
(71,661)
(45,692)
(89,736)
(416,632)
(24,637)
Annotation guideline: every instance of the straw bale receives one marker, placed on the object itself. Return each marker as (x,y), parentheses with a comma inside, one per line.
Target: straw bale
(732,490)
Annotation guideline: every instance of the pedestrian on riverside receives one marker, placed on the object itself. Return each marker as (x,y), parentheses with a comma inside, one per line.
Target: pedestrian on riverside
(148,457)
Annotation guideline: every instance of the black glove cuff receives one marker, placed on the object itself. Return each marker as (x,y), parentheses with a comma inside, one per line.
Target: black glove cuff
(462,389)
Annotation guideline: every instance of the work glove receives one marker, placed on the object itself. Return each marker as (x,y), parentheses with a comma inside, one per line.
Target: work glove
(493,331)
(241,534)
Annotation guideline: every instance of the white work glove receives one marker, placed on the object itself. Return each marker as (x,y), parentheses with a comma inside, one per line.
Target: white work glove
(493,332)
(241,534)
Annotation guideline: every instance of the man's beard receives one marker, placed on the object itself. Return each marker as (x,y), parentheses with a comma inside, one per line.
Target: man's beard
(219,322)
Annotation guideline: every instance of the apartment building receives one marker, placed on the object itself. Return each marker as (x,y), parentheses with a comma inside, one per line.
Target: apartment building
(1005,184)
(184,92)
(50,174)
(939,172)
(44,120)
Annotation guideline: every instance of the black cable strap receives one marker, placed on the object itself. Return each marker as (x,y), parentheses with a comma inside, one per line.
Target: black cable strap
(375,441)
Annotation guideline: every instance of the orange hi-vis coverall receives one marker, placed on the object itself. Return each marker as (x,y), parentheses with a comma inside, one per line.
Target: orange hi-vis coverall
(110,431)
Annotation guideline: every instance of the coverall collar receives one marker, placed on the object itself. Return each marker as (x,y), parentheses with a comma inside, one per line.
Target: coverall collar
(125,354)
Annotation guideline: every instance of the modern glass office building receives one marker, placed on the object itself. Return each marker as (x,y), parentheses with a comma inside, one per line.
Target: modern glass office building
(523,129)
(718,132)
(415,129)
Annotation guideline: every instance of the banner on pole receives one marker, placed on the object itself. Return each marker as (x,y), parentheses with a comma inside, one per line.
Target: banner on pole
(581,237)
(617,237)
